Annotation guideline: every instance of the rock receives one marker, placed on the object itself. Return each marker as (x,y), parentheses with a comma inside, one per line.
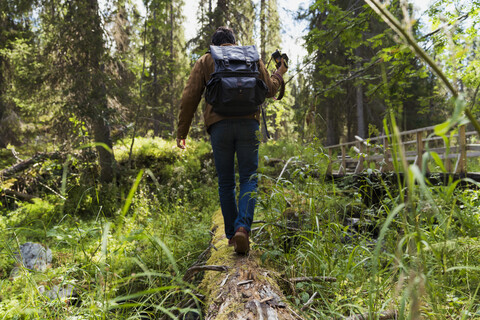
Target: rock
(34,256)
(66,292)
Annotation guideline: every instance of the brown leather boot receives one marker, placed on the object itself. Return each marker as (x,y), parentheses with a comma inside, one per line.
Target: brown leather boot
(241,241)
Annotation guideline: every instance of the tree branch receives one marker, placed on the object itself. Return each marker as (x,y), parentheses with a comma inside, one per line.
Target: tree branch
(21,166)
(195,269)
(460,18)
(385,315)
(18,195)
(312,279)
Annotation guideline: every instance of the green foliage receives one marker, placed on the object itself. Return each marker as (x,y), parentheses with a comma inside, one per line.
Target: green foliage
(123,256)
(361,74)
(69,74)
(391,244)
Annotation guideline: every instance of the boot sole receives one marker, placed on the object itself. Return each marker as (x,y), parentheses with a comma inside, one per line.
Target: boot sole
(241,243)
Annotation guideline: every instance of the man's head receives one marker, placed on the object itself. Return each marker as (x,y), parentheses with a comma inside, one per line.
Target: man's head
(223,35)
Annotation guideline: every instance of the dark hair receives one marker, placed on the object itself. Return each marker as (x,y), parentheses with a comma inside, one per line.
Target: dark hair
(223,35)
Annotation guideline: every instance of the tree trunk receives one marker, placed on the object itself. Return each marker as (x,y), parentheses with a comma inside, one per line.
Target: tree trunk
(171,120)
(360,117)
(2,105)
(101,132)
(157,118)
(246,290)
(98,105)
(330,117)
(263,35)
(221,13)
(210,15)
(359,98)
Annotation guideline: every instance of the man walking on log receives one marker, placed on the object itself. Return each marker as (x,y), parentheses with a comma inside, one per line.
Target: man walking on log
(236,83)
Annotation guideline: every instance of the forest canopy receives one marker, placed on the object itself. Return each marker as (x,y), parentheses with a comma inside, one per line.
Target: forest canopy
(74,72)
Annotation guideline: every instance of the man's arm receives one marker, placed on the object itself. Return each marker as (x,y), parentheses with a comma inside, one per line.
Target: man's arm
(273,81)
(191,96)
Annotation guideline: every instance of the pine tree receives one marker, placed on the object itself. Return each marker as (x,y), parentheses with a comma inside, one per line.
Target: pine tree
(241,18)
(167,62)
(15,32)
(270,40)
(77,47)
(122,60)
(353,49)
(205,18)
(236,14)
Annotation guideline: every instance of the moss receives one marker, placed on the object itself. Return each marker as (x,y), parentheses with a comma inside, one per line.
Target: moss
(222,256)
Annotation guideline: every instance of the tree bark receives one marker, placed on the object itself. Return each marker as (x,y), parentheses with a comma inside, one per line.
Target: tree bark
(171,120)
(2,105)
(101,132)
(359,94)
(246,290)
(98,104)
(157,117)
(360,117)
(221,13)
(331,136)
(263,35)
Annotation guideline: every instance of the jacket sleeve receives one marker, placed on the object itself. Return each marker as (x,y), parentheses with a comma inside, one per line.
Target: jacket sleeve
(273,81)
(192,94)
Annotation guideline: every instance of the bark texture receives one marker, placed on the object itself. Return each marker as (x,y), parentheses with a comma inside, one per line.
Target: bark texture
(246,290)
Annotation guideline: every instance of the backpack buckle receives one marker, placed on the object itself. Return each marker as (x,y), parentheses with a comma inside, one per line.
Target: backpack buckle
(225,57)
(247,59)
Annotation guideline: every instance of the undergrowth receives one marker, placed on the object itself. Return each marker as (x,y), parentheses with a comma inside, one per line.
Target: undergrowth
(394,243)
(124,247)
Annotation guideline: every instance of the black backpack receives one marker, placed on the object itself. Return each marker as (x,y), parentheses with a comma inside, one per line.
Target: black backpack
(235,88)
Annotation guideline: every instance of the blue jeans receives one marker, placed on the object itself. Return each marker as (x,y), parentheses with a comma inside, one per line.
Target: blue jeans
(230,137)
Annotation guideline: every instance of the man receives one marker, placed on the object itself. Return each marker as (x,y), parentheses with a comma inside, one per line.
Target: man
(229,136)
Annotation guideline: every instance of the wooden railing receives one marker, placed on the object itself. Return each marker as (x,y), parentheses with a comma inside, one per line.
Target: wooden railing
(356,156)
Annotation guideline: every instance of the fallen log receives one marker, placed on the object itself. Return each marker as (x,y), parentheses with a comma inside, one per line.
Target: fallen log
(312,279)
(276,225)
(247,290)
(18,195)
(23,165)
(385,315)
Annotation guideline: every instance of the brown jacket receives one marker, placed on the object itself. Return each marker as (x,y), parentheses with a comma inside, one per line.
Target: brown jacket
(192,94)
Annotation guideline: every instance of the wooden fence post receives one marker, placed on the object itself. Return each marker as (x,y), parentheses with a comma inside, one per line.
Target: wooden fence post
(419,159)
(329,167)
(344,160)
(360,148)
(386,155)
(461,166)
(448,163)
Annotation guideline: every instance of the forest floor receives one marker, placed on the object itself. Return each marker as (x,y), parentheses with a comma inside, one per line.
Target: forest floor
(406,248)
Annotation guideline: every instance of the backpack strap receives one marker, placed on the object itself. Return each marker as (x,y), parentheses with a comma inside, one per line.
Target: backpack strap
(247,59)
(225,57)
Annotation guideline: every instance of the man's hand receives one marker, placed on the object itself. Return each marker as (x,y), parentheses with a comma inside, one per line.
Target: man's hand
(283,69)
(181,143)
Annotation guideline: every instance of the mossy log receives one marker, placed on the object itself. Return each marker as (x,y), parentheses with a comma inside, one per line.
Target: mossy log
(23,165)
(246,290)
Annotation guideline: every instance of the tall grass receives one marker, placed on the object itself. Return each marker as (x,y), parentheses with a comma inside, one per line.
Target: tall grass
(125,265)
(397,243)
(412,251)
